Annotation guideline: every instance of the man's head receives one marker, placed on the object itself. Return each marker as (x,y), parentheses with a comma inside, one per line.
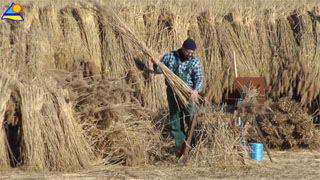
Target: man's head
(188,48)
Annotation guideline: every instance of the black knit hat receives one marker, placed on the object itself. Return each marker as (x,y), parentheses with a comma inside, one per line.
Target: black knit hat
(189,44)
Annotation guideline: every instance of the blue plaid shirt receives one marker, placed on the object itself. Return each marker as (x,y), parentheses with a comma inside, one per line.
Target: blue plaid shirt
(194,73)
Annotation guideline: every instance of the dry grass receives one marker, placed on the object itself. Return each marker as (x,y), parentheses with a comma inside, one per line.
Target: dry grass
(114,123)
(181,90)
(265,43)
(52,138)
(6,84)
(218,145)
(112,94)
(39,128)
(289,126)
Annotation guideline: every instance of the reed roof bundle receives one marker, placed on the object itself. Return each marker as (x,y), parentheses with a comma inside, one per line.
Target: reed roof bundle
(41,131)
(5,92)
(180,88)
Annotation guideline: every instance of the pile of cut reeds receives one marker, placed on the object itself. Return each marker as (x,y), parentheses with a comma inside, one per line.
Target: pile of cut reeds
(289,126)
(113,121)
(120,131)
(218,146)
(285,124)
(216,143)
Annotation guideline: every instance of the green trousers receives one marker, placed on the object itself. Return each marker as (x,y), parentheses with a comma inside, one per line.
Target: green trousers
(177,119)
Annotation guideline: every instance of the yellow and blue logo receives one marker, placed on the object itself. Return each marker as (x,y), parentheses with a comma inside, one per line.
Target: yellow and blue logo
(13,13)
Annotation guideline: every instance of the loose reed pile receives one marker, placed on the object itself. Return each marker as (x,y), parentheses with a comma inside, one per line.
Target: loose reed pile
(217,145)
(289,126)
(117,127)
(284,124)
(120,131)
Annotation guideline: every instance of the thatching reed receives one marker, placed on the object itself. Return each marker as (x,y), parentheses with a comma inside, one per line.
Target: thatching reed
(181,90)
(284,124)
(217,145)
(56,142)
(119,130)
(278,44)
(289,126)
(298,81)
(6,85)
(41,131)
(264,43)
(115,123)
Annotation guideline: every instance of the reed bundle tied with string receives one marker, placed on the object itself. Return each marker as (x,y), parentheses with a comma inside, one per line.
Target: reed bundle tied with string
(181,90)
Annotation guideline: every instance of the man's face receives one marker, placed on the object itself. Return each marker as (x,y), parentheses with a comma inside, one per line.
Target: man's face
(187,53)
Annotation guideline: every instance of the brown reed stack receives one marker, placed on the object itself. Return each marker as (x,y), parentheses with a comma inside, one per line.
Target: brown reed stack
(281,45)
(180,89)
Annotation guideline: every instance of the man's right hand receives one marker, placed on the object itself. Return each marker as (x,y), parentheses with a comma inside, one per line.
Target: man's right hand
(155,61)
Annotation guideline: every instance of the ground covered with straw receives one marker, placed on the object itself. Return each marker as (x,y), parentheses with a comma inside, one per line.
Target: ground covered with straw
(287,165)
(77,88)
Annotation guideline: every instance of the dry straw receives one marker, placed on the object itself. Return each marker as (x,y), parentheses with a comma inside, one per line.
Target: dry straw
(289,126)
(218,146)
(39,129)
(115,124)
(91,41)
(52,138)
(180,89)
(5,91)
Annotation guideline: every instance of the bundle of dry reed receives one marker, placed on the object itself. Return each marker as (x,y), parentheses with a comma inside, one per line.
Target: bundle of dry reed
(51,138)
(5,91)
(38,127)
(216,143)
(113,121)
(289,126)
(180,88)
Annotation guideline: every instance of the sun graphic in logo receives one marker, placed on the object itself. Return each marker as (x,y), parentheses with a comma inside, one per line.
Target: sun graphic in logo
(17,8)
(13,13)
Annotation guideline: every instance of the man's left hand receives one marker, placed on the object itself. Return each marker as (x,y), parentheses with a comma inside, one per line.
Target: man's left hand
(194,96)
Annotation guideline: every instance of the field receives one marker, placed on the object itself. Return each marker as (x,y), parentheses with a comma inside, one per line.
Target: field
(78,96)
(286,165)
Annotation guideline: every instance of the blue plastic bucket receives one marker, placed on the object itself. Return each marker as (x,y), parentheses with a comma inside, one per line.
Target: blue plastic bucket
(256,151)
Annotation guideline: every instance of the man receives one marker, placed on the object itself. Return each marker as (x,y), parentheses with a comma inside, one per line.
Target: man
(188,68)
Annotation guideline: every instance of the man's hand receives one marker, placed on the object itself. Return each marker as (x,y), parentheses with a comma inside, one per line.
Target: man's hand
(194,96)
(155,61)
